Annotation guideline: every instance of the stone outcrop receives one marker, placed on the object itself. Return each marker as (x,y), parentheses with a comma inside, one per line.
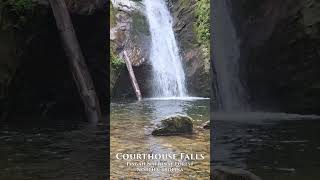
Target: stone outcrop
(129,31)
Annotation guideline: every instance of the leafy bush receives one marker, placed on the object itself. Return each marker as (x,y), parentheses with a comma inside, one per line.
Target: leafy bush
(202,29)
(116,62)
(202,24)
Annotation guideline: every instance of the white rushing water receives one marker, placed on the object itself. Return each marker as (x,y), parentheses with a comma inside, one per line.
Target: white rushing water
(226,59)
(189,98)
(168,74)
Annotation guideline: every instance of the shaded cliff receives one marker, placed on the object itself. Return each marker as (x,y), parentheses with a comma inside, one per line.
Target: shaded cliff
(35,75)
(279,42)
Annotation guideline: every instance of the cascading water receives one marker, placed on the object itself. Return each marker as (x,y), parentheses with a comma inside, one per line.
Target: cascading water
(226,54)
(168,74)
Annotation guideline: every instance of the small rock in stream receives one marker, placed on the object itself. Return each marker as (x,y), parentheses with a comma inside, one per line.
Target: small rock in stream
(174,125)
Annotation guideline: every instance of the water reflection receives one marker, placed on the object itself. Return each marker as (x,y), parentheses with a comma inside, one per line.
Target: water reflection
(52,149)
(275,146)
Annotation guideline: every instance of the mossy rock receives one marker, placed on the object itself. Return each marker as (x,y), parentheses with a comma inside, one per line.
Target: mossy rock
(174,125)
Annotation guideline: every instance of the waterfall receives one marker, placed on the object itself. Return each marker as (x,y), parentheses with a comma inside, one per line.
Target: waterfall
(226,54)
(168,74)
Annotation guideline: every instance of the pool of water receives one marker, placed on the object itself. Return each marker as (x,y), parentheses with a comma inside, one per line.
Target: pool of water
(274,146)
(53,149)
(130,128)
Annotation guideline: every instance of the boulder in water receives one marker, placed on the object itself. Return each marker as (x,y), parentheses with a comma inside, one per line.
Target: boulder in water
(174,125)
(225,173)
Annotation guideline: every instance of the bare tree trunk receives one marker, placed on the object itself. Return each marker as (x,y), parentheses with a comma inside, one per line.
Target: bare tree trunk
(132,76)
(79,68)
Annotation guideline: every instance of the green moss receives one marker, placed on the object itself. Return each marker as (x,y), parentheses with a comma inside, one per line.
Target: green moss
(115,61)
(202,28)
(202,24)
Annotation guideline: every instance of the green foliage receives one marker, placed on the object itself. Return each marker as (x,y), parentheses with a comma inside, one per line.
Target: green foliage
(116,62)
(202,28)
(202,24)
(19,11)
(20,6)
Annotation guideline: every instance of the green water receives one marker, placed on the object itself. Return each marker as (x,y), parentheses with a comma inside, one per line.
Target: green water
(130,128)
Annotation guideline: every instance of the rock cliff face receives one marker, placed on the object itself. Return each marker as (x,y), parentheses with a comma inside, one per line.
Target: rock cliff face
(195,60)
(280,53)
(131,33)
(34,75)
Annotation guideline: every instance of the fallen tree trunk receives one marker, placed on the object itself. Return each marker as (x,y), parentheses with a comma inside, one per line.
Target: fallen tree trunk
(79,68)
(134,82)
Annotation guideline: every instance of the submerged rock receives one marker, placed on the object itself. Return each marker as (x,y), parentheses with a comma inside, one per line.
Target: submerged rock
(174,125)
(225,173)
